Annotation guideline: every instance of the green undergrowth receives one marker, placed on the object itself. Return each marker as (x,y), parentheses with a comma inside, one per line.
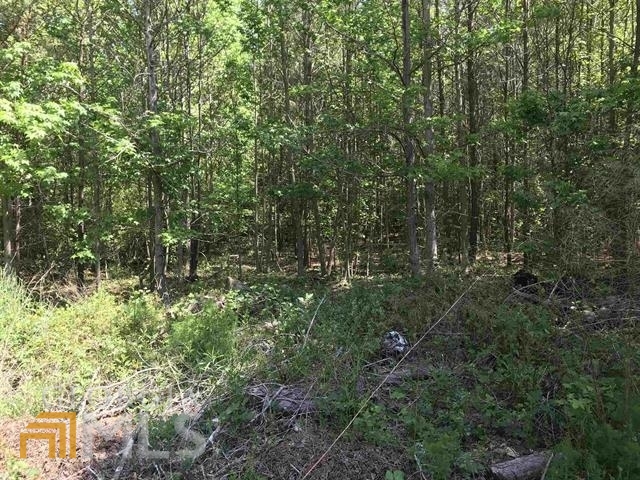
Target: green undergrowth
(501,376)
(501,373)
(50,352)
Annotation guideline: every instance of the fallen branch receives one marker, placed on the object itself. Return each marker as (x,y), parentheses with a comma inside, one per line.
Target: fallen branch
(126,453)
(291,400)
(193,455)
(409,373)
(529,297)
(529,467)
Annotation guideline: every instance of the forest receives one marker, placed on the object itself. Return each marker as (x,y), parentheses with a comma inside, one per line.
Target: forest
(335,239)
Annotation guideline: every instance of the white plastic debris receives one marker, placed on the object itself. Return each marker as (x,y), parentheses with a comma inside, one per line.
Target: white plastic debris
(395,343)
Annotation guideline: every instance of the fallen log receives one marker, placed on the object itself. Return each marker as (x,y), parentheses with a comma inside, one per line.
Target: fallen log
(529,467)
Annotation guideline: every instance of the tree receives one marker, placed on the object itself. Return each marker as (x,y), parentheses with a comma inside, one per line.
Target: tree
(408,145)
(427,78)
(472,100)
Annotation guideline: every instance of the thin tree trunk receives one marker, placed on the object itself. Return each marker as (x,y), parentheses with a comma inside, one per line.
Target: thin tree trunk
(98,213)
(636,45)
(159,259)
(297,203)
(257,201)
(508,178)
(196,187)
(17,233)
(625,221)
(182,248)
(430,188)
(462,196)
(348,189)
(409,150)
(307,78)
(611,61)
(472,96)
(527,221)
(7,233)
(80,227)
(558,143)
(319,242)
(193,242)
(82,147)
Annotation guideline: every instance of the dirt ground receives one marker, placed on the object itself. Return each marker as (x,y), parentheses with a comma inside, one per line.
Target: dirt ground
(89,461)
(285,453)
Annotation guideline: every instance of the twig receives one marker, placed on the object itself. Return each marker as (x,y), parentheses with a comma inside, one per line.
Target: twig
(95,474)
(99,415)
(553,290)
(304,399)
(203,447)
(215,433)
(525,296)
(44,275)
(306,335)
(377,362)
(79,473)
(126,454)
(544,473)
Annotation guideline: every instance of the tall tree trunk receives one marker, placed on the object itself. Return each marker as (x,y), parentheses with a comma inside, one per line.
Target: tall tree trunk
(17,233)
(626,223)
(617,208)
(182,253)
(508,219)
(430,188)
(527,220)
(81,149)
(97,208)
(196,186)
(348,188)
(557,143)
(159,258)
(86,62)
(636,45)
(461,193)
(635,63)
(80,227)
(409,149)
(194,225)
(472,96)
(257,229)
(297,203)
(611,60)
(307,72)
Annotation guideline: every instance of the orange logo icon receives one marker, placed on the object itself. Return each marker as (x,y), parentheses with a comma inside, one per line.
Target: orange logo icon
(57,430)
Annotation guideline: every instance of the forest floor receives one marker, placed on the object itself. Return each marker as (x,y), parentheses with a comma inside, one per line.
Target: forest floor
(287,378)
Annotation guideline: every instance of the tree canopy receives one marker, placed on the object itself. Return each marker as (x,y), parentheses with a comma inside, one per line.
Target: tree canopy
(349,136)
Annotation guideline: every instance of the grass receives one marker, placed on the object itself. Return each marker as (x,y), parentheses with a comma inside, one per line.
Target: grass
(51,352)
(499,373)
